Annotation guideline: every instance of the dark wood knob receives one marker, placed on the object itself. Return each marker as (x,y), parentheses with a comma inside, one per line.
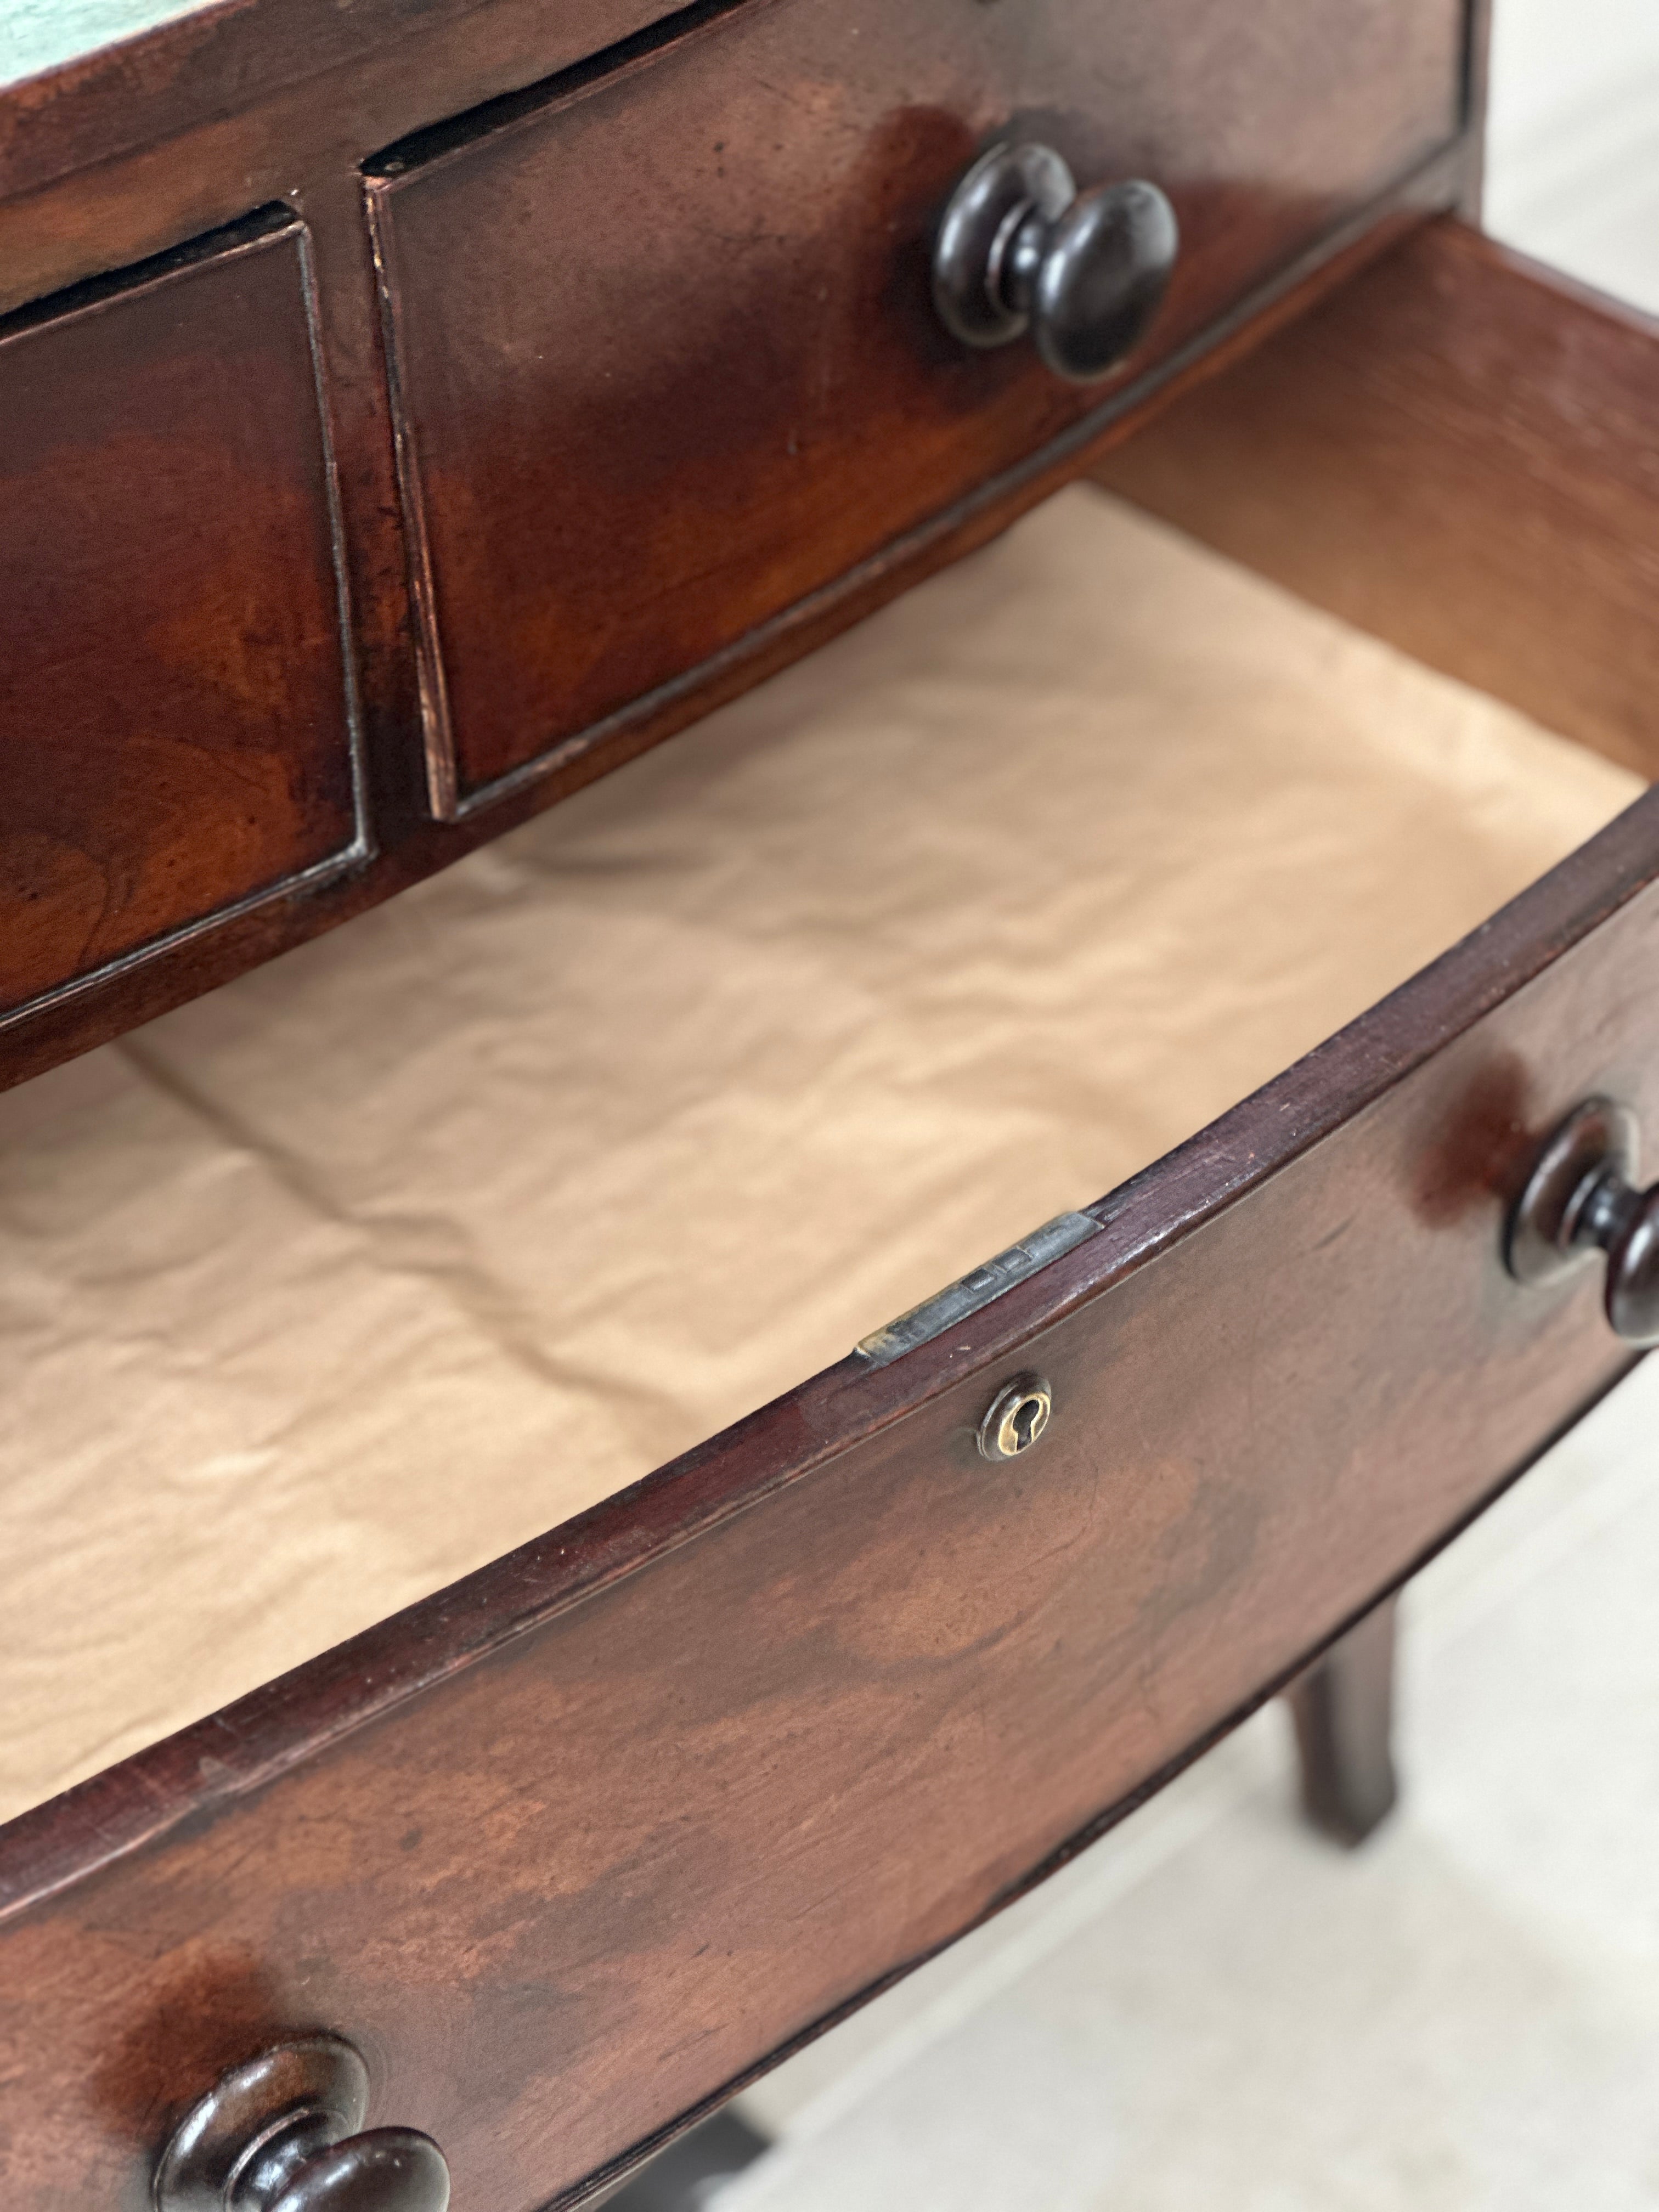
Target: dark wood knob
(1580,1198)
(1021,249)
(281,2134)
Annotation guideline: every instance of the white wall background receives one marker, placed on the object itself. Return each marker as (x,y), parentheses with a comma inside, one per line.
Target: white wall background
(1574,174)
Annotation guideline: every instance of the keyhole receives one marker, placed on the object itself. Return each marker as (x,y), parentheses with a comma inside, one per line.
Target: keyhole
(1016,1418)
(1028,1417)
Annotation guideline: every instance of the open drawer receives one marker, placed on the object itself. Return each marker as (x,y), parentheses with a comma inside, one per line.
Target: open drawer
(572,1846)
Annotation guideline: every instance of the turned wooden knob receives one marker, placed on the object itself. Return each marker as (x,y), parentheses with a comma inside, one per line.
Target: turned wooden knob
(1020,249)
(1580,1198)
(281,2134)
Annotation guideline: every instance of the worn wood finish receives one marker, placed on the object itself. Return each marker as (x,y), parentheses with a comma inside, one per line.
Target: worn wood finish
(225,56)
(142,145)
(573,1847)
(176,733)
(1460,453)
(664,347)
(410,844)
(132,150)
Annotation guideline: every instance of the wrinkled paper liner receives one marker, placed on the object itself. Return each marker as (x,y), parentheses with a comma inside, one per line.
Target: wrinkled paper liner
(335,1284)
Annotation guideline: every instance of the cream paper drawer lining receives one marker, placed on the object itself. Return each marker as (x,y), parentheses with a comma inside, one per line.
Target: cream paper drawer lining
(330,1287)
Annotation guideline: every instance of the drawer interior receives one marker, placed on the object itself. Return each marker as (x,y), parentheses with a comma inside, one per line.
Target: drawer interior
(334,1285)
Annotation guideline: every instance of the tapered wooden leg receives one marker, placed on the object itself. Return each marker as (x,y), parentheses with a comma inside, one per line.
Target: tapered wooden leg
(1343,1708)
(684,2177)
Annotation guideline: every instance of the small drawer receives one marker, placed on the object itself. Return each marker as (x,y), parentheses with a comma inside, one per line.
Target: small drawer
(663,344)
(176,736)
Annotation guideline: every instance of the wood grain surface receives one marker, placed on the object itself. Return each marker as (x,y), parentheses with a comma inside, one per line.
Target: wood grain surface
(409,843)
(176,732)
(105,98)
(265,98)
(572,1847)
(1460,453)
(664,353)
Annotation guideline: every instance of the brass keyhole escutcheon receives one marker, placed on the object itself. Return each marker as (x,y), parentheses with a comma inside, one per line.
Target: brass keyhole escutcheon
(1016,1418)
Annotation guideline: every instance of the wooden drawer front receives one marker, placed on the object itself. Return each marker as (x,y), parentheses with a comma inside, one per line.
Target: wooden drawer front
(572,1846)
(175,735)
(663,348)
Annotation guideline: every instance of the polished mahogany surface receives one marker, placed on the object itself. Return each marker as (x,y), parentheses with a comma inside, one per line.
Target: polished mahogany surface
(735,507)
(177,732)
(570,1848)
(663,346)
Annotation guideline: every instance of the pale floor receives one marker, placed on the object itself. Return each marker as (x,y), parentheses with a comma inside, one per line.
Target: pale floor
(1212,2007)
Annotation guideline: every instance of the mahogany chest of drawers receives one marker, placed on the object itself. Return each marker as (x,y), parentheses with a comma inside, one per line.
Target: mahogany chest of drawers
(412,412)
